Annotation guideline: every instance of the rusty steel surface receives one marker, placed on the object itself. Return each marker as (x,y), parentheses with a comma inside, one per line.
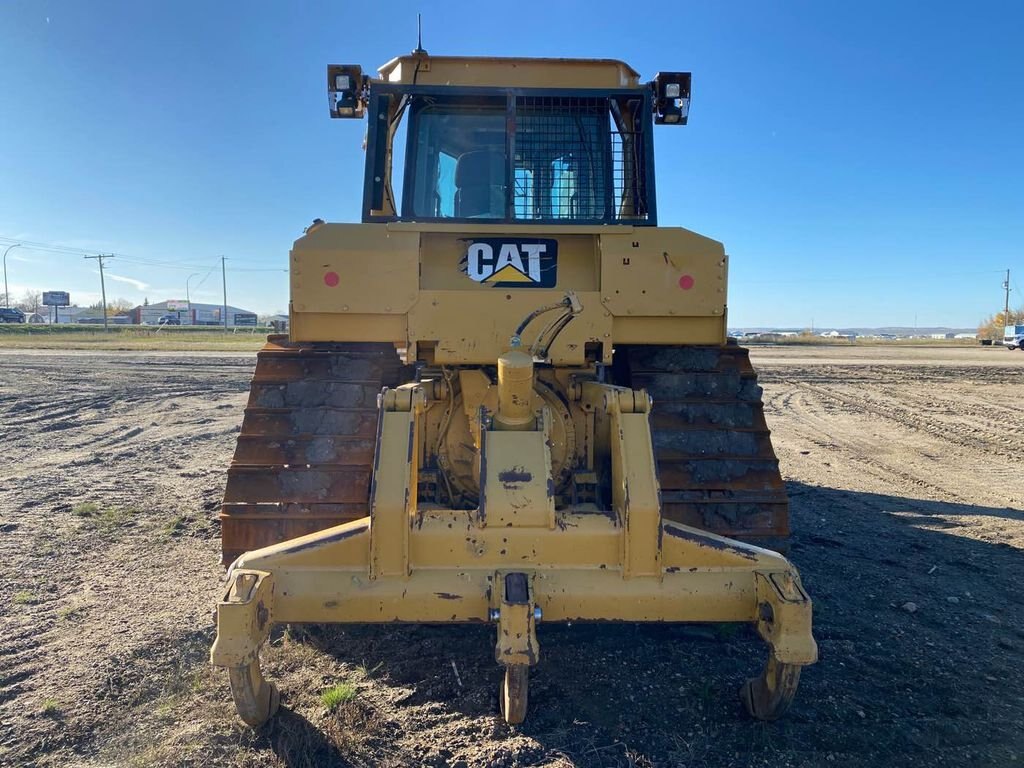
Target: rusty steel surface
(304,456)
(716,465)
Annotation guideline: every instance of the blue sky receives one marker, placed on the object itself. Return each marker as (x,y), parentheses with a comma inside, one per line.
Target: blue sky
(862,162)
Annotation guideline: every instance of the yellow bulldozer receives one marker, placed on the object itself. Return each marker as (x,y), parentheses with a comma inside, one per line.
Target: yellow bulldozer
(507,395)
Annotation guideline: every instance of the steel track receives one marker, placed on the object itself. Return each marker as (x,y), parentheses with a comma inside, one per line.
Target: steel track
(304,457)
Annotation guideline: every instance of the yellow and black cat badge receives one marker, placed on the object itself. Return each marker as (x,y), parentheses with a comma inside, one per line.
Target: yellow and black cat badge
(512,262)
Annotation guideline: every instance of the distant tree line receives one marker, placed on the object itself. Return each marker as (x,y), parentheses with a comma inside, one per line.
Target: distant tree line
(32,301)
(114,307)
(992,328)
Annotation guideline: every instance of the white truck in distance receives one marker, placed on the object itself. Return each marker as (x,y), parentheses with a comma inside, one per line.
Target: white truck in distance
(1013,337)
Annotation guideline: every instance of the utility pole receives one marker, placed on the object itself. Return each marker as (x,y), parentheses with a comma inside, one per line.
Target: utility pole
(1006,309)
(103,286)
(224,280)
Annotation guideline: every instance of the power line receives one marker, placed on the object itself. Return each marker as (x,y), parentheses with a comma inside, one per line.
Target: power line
(208,273)
(45,246)
(124,258)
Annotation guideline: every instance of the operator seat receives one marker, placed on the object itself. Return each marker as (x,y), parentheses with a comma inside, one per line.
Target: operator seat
(480,185)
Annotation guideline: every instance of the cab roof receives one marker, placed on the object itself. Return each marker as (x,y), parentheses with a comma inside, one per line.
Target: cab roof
(508,72)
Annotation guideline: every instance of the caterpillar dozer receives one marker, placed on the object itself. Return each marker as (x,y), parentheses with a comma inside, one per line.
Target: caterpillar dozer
(507,395)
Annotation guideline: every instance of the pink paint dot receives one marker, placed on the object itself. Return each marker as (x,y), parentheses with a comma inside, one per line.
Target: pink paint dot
(332,279)
(686,282)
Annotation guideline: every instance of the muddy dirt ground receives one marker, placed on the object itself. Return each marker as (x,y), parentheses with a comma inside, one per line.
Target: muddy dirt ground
(906,473)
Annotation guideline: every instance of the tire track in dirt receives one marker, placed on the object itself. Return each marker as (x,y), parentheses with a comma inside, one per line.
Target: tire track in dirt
(822,432)
(887,514)
(918,424)
(962,413)
(1007,435)
(20,651)
(121,623)
(142,444)
(804,408)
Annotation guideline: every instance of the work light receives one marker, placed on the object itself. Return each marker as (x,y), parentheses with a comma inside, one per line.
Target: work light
(345,90)
(671,97)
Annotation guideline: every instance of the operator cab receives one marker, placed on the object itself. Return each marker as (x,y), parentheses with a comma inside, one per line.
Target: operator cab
(515,141)
(567,154)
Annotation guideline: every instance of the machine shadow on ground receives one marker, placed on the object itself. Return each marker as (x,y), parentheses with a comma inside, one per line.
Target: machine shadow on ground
(298,742)
(921,646)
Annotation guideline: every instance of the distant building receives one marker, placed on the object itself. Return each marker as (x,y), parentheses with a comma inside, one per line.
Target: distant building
(194,314)
(98,319)
(75,314)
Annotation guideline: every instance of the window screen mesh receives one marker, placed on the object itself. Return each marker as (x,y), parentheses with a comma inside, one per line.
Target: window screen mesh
(577,158)
(528,158)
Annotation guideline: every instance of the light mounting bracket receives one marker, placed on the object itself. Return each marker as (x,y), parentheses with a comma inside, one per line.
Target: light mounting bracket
(671,97)
(346,90)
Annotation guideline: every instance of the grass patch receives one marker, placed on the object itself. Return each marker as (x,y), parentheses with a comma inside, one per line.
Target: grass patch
(368,672)
(69,612)
(337,695)
(105,519)
(129,338)
(51,707)
(85,509)
(181,683)
(176,526)
(767,340)
(24,598)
